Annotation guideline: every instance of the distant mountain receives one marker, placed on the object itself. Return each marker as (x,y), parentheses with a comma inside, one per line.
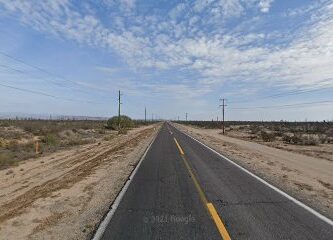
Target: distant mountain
(17,115)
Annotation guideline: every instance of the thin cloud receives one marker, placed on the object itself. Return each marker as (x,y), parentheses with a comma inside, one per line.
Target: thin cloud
(265,5)
(196,37)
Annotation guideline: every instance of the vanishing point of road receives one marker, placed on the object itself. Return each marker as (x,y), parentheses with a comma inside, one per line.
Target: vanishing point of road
(184,190)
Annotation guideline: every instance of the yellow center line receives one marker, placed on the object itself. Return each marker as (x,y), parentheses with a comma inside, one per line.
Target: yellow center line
(196,183)
(179,148)
(218,222)
(209,206)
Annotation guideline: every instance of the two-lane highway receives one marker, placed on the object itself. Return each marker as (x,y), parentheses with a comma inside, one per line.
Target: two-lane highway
(183,190)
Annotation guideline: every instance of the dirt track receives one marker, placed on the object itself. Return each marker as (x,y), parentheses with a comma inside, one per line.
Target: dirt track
(65,194)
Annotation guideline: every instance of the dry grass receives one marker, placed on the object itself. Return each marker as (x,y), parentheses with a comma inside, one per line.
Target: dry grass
(6,160)
(291,138)
(310,138)
(18,137)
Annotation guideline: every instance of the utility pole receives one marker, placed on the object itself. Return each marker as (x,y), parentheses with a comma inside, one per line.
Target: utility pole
(186,117)
(178,118)
(119,103)
(152,117)
(145,115)
(223,106)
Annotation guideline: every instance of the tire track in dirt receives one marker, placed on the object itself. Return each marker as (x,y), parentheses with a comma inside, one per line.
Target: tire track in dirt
(83,167)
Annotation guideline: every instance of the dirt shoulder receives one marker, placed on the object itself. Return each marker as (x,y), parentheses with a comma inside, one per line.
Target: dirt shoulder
(306,178)
(313,145)
(65,194)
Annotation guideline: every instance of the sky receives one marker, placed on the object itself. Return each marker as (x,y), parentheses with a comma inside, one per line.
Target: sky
(270,59)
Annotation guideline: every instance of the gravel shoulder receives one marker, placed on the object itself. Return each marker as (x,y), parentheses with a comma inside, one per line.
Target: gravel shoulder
(307,178)
(64,195)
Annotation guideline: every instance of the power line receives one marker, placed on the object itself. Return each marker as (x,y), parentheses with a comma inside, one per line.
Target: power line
(285,106)
(29,73)
(291,93)
(33,66)
(11,68)
(45,94)
(45,71)
(28,90)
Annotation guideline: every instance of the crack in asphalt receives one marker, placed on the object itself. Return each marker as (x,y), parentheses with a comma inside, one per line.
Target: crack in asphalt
(223,203)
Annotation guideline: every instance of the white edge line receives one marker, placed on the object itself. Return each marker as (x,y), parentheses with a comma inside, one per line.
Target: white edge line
(103,225)
(299,203)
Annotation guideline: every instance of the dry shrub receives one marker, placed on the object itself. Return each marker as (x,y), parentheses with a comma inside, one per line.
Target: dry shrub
(125,123)
(17,140)
(254,129)
(101,131)
(323,139)
(50,140)
(311,140)
(296,139)
(122,131)
(305,139)
(287,139)
(108,137)
(252,136)
(74,141)
(267,136)
(3,143)
(7,160)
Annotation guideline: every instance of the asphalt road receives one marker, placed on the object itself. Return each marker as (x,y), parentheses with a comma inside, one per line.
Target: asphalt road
(182,190)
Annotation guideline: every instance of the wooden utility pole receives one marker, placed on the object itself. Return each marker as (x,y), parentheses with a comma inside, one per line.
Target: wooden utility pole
(186,117)
(145,115)
(119,103)
(223,106)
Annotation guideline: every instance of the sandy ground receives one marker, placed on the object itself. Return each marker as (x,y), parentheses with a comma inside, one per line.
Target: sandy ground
(324,151)
(307,178)
(64,195)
